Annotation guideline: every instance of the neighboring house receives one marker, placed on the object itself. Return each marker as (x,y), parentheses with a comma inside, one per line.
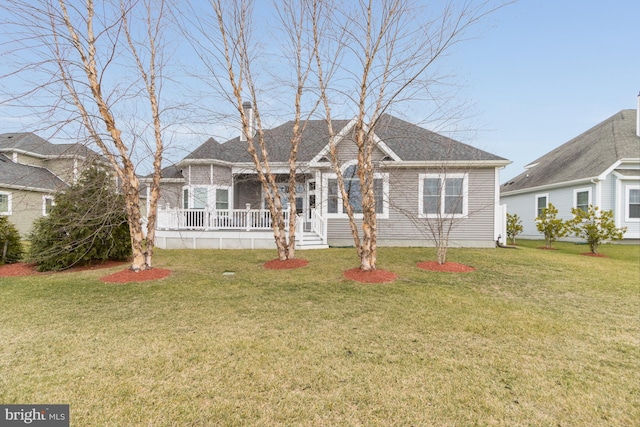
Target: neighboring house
(601,167)
(213,199)
(32,170)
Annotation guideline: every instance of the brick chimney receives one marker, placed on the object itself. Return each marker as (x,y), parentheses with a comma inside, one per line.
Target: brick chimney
(248,112)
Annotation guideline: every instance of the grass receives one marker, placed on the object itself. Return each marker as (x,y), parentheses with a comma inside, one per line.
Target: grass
(530,338)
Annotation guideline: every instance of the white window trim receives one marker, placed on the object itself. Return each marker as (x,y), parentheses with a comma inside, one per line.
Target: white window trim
(211,195)
(9,204)
(185,188)
(44,204)
(575,196)
(191,190)
(627,192)
(443,176)
(229,195)
(535,207)
(341,213)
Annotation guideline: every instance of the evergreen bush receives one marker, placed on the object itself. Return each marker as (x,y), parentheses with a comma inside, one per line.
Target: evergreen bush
(87,224)
(11,249)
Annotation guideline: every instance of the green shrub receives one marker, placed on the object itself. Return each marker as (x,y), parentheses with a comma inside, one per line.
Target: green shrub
(550,225)
(87,224)
(595,227)
(10,245)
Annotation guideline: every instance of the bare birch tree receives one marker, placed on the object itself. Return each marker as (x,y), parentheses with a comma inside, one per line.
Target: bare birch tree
(391,48)
(103,63)
(232,52)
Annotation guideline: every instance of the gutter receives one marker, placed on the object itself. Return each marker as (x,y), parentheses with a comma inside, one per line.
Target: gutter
(45,156)
(27,188)
(552,186)
(587,180)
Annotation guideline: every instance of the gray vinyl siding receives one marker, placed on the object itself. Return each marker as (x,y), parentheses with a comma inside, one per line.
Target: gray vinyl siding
(208,175)
(404,227)
(347,150)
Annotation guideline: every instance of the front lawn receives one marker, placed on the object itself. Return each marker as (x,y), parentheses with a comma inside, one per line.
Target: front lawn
(531,337)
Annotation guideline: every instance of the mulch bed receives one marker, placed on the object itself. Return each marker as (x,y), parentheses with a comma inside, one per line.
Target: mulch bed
(287,264)
(124,276)
(128,276)
(24,269)
(447,267)
(18,269)
(372,276)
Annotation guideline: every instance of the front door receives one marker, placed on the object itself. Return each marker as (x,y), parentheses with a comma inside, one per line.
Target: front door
(311,200)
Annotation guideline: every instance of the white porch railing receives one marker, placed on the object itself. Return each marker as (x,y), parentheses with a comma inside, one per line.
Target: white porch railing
(319,225)
(213,219)
(234,219)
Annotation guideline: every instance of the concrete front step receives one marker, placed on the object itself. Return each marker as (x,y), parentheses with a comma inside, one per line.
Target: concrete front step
(311,241)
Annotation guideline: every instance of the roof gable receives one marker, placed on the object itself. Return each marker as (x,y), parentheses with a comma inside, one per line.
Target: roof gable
(586,156)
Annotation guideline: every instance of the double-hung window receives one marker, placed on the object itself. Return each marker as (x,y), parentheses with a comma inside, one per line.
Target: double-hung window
(443,195)
(47,204)
(5,203)
(222,199)
(582,199)
(542,201)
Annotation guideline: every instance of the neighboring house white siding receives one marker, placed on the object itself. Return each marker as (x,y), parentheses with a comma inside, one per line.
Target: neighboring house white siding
(526,205)
(628,207)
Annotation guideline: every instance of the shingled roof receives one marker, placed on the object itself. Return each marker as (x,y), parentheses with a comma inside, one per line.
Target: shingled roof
(17,175)
(27,142)
(408,141)
(585,156)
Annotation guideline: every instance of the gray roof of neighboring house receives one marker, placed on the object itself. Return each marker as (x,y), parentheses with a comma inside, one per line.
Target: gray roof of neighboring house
(25,176)
(31,143)
(409,141)
(585,156)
